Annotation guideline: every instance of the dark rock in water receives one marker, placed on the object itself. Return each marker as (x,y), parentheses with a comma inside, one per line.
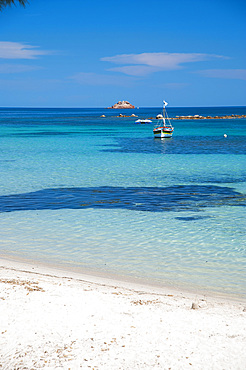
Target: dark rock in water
(197,116)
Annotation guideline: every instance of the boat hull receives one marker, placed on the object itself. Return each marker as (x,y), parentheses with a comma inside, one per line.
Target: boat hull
(162,132)
(143,121)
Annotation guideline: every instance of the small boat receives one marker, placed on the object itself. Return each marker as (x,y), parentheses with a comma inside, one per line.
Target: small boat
(164,127)
(143,121)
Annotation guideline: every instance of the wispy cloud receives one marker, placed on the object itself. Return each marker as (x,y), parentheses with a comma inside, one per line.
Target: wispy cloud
(175,85)
(30,84)
(17,68)
(140,70)
(145,63)
(238,74)
(17,50)
(91,78)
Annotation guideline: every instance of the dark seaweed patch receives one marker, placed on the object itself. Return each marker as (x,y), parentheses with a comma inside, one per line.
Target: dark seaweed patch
(151,199)
(181,145)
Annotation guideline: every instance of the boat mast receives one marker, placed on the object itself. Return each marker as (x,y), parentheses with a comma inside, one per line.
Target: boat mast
(164,112)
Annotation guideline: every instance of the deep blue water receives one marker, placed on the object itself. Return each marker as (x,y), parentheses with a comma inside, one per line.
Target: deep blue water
(102,194)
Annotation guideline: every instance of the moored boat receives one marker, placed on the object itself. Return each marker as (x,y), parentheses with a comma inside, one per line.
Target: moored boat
(143,121)
(164,127)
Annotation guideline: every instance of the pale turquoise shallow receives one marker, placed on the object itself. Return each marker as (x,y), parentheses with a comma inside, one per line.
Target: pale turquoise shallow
(102,194)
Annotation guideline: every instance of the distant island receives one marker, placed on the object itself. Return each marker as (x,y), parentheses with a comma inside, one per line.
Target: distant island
(197,116)
(122,105)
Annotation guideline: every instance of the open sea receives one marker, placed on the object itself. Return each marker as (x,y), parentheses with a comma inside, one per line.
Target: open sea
(102,195)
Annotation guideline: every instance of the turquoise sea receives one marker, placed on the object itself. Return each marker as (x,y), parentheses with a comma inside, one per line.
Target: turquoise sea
(102,195)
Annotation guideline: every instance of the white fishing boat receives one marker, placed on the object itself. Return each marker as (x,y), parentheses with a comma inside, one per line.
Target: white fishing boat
(164,127)
(143,121)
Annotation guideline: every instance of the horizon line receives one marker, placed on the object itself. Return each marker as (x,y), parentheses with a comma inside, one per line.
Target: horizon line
(125,109)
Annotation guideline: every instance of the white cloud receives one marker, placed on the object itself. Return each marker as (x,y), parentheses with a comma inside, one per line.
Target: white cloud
(145,63)
(239,74)
(17,50)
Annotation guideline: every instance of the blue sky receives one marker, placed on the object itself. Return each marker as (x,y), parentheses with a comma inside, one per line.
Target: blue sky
(91,53)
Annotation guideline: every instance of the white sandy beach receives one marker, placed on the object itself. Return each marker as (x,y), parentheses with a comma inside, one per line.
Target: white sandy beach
(62,320)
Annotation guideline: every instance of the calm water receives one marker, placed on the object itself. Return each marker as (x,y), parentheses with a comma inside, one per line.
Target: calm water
(102,194)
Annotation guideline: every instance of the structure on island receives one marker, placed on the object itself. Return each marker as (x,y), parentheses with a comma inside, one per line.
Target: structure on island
(122,105)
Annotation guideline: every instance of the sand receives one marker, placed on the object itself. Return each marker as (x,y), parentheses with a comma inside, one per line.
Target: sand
(54,319)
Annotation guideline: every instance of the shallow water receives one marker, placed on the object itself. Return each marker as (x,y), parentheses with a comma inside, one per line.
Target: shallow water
(103,194)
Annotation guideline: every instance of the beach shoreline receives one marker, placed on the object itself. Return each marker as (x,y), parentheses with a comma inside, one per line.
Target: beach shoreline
(59,268)
(51,318)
